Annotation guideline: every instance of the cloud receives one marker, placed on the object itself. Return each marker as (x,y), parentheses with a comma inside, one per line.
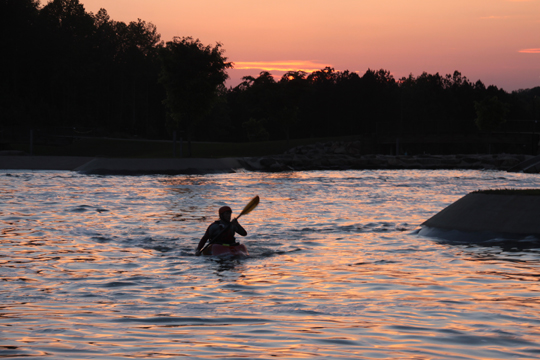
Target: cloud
(290,65)
(530,51)
(493,17)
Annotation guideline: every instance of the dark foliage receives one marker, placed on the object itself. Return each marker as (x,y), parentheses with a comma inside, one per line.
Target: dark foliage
(377,106)
(66,68)
(193,76)
(69,68)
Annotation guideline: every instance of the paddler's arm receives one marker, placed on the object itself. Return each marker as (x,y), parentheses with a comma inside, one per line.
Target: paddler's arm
(203,241)
(238,228)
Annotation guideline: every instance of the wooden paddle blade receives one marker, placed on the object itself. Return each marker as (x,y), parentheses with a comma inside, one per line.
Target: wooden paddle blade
(250,206)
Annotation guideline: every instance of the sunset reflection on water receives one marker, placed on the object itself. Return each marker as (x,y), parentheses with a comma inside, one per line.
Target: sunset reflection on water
(103,267)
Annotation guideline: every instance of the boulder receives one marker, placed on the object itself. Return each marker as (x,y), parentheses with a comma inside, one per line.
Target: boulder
(267,162)
(506,162)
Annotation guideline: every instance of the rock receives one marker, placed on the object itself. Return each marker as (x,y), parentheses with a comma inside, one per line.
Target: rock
(252,163)
(428,161)
(395,162)
(470,159)
(300,161)
(276,167)
(361,164)
(333,161)
(450,161)
(267,162)
(506,162)
(348,155)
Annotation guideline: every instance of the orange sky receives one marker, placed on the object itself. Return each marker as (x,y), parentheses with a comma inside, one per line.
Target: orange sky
(496,41)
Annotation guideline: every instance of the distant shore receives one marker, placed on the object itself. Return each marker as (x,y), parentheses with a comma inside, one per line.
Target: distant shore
(294,160)
(120,166)
(303,162)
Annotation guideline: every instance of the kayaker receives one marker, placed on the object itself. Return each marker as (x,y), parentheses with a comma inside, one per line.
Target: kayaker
(222,231)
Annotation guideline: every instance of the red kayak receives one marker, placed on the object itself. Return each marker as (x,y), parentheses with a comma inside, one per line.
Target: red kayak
(226,250)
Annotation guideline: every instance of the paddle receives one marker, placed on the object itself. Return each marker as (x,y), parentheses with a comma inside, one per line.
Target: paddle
(251,205)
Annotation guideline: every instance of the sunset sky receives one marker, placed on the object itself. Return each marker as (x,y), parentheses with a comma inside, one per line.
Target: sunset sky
(496,41)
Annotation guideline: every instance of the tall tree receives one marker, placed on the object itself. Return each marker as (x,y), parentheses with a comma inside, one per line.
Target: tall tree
(193,76)
(19,39)
(69,60)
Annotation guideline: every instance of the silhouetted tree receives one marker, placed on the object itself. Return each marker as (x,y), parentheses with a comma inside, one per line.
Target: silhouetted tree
(19,36)
(193,76)
(254,98)
(66,67)
(255,129)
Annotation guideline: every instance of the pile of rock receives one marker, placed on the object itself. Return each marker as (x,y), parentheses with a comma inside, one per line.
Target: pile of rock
(337,148)
(347,156)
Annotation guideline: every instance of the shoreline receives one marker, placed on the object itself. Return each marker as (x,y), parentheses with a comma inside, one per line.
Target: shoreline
(343,161)
(277,163)
(121,166)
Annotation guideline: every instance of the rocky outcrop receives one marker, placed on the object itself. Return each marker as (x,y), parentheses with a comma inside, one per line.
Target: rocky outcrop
(322,156)
(528,166)
(347,156)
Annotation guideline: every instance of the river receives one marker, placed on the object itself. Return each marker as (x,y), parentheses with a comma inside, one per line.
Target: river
(103,267)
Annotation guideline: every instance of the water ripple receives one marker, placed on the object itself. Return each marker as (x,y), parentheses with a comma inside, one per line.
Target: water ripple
(103,267)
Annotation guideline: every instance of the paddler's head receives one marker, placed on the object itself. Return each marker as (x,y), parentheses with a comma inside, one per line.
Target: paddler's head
(225,213)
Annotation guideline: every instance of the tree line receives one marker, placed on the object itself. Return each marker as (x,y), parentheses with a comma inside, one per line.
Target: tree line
(66,67)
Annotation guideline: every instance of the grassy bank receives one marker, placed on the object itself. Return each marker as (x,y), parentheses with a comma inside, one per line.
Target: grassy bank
(106,147)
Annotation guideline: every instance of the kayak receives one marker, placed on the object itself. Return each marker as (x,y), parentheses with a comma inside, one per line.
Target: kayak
(226,250)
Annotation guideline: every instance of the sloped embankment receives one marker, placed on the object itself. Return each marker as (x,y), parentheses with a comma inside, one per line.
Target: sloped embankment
(488,214)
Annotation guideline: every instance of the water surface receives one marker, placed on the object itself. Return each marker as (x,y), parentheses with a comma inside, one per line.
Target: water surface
(102,267)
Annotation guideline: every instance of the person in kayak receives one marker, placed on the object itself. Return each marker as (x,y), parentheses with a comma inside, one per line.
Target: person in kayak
(222,231)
